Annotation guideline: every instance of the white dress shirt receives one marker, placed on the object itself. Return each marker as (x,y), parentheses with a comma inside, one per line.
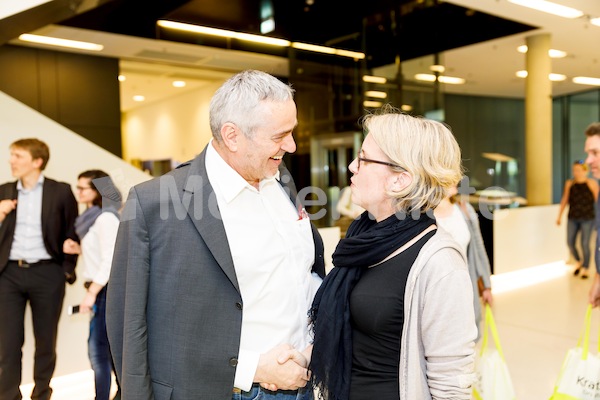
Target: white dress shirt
(273,253)
(97,248)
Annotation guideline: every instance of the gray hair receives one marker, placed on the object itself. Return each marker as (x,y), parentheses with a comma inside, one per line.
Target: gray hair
(424,148)
(241,98)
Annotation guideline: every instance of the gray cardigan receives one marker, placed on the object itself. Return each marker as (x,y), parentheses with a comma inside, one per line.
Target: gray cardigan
(438,339)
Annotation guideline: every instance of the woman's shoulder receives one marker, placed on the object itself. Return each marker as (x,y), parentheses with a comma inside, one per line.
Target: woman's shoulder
(440,248)
(107,217)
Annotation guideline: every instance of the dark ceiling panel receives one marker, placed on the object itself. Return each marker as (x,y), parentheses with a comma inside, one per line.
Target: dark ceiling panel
(384,29)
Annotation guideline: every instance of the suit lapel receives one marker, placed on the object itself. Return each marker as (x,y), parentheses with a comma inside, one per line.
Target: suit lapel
(207,219)
(46,203)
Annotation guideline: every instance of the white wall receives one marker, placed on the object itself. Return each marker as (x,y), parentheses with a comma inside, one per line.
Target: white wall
(177,128)
(70,154)
(528,236)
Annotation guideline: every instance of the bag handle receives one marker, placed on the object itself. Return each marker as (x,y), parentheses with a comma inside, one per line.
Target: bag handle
(586,334)
(490,325)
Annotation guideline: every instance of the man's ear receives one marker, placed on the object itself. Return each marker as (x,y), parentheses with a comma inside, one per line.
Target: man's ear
(230,134)
(37,162)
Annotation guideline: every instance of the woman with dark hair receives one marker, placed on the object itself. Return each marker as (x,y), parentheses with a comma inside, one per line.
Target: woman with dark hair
(97,230)
(580,193)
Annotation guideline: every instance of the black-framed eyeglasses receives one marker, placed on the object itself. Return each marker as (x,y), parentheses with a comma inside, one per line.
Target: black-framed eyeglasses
(362,159)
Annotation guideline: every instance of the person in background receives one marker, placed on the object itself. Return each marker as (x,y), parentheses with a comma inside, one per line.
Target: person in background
(394,318)
(217,263)
(592,148)
(457,217)
(37,214)
(581,194)
(96,229)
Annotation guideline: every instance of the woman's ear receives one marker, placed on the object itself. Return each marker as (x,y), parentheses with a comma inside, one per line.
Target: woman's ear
(230,135)
(400,181)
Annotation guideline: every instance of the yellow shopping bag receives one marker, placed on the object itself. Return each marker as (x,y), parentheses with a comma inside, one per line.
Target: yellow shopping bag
(493,379)
(579,377)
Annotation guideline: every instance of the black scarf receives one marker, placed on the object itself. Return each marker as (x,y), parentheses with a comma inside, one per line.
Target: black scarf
(367,243)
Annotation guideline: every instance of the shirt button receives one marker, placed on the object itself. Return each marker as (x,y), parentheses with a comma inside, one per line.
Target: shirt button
(239,306)
(233,362)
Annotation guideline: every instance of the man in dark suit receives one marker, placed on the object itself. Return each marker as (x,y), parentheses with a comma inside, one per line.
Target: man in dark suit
(37,215)
(217,263)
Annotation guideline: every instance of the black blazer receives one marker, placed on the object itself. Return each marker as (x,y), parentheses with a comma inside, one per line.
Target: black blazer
(59,210)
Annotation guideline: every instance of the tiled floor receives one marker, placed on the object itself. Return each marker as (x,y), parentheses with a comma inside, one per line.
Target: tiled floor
(536,324)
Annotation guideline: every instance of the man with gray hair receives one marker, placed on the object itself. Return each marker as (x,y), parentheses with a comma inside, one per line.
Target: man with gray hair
(217,263)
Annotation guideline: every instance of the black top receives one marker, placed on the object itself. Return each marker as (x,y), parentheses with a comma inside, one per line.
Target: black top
(581,202)
(377,315)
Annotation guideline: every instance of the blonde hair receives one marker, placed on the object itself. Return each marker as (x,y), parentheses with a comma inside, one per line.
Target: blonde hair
(424,148)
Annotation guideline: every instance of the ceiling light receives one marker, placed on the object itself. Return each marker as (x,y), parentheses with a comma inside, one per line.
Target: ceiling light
(374,79)
(376,94)
(584,80)
(406,107)
(549,7)
(75,44)
(178,83)
(595,21)
(553,53)
(442,79)
(258,39)
(452,80)
(122,78)
(372,104)
(223,33)
(437,68)
(138,97)
(425,77)
(552,77)
(557,77)
(328,50)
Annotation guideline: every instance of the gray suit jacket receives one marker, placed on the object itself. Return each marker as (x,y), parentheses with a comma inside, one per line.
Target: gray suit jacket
(174,309)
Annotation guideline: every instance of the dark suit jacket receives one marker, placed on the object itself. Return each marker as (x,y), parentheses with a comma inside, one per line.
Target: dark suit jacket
(174,308)
(59,210)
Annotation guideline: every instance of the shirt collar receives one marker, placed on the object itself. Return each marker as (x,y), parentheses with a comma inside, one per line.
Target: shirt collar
(39,183)
(229,182)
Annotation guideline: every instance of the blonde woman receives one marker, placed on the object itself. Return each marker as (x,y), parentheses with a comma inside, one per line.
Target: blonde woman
(394,319)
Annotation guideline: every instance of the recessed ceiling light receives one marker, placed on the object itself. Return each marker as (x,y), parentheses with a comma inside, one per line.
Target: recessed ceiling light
(74,44)
(179,83)
(425,77)
(372,104)
(374,79)
(584,80)
(553,53)
(376,94)
(549,7)
(452,80)
(552,77)
(138,97)
(122,78)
